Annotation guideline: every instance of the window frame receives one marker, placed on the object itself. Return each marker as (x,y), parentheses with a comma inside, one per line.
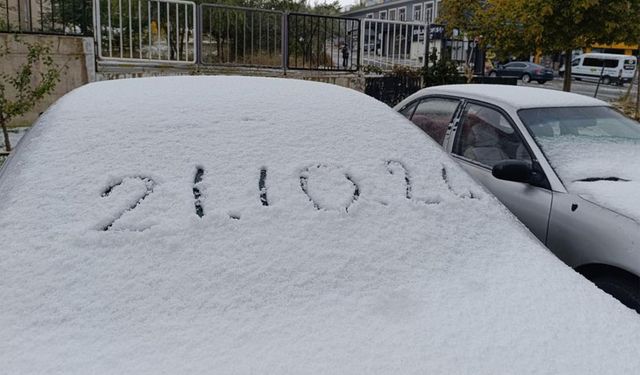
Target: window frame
(419,9)
(538,157)
(452,124)
(457,131)
(429,5)
(402,16)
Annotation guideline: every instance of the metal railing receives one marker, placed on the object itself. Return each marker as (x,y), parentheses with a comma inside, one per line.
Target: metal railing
(323,42)
(146,30)
(66,17)
(177,31)
(240,36)
(386,44)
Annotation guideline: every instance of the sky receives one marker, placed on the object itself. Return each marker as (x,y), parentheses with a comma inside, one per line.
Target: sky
(345,3)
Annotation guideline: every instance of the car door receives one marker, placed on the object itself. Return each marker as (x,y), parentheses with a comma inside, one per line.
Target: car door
(433,115)
(484,135)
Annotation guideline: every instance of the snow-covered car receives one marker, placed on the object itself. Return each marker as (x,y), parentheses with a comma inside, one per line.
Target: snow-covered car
(566,165)
(226,225)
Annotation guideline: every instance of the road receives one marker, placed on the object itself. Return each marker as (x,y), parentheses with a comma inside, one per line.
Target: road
(605,92)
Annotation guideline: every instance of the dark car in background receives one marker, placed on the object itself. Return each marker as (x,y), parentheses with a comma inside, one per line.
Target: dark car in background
(524,70)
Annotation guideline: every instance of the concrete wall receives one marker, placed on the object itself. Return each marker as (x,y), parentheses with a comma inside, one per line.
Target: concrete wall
(107,71)
(74,54)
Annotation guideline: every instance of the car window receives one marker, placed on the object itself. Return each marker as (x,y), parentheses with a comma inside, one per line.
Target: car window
(486,136)
(575,62)
(408,110)
(515,65)
(433,116)
(608,63)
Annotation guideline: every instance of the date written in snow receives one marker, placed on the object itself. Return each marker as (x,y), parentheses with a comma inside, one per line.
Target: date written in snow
(393,167)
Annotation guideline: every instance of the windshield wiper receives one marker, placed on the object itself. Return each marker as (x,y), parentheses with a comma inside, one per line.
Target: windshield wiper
(594,179)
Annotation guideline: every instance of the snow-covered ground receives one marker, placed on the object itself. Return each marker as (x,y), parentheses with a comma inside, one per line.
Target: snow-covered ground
(190,225)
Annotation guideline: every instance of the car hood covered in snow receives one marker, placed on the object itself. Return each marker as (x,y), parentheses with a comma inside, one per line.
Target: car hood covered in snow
(602,170)
(239,225)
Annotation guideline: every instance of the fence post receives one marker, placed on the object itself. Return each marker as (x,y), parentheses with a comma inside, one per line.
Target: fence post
(359,28)
(197,35)
(285,41)
(83,17)
(637,114)
(426,53)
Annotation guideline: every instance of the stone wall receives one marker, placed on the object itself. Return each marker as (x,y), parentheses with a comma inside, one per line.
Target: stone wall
(74,54)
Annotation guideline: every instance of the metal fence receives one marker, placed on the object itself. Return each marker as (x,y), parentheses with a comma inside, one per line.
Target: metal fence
(146,30)
(460,50)
(178,31)
(322,42)
(240,36)
(67,17)
(386,44)
(392,90)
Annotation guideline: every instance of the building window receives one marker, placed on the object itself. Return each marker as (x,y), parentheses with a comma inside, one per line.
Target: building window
(402,14)
(428,12)
(369,15)
(382,15)
(392,14)
(417,12)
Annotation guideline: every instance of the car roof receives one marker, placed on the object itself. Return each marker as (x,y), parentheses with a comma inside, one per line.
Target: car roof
(516,97)
(375,252)
(607,55)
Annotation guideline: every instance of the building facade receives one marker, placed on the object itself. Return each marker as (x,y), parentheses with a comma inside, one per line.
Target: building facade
(427,11)
(398,10)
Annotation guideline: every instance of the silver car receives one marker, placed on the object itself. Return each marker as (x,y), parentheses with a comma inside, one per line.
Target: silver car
(566,165)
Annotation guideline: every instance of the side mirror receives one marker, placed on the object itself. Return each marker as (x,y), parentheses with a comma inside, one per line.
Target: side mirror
(513,170)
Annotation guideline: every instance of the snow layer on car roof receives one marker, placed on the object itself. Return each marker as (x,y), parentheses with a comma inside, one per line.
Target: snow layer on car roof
(287,227)
(514,96)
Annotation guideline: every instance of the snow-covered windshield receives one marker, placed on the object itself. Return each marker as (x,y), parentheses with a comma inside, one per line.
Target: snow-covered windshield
(594,150)
(586,143)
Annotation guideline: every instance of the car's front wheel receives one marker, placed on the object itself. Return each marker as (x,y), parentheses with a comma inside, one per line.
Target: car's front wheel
(526,78)
(624,289)
(606,80)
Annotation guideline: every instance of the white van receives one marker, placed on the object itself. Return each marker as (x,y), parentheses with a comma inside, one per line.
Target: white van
(611,67)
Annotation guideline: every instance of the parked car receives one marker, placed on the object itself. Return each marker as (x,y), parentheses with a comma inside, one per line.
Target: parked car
(524,70)
(566,165)
(227,225)
(605,67)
